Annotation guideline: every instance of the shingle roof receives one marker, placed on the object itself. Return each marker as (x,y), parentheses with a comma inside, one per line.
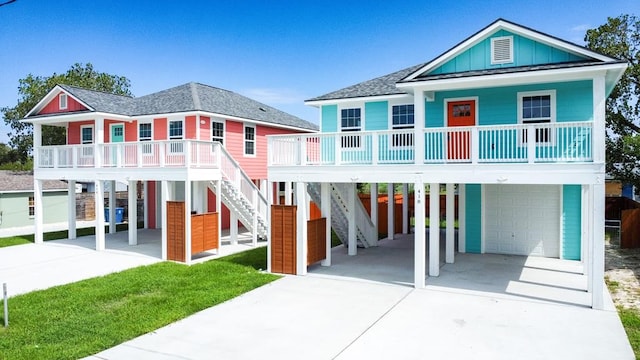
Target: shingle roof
(188,97)
(23,181)
(383,85)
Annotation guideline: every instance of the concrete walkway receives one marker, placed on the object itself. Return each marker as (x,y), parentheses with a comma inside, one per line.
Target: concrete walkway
(481,307)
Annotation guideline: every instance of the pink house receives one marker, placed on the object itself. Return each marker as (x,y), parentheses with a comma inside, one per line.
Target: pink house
(195,143)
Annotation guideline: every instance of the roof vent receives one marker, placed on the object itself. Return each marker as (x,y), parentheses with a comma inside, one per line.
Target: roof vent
(262,109)
(502,50)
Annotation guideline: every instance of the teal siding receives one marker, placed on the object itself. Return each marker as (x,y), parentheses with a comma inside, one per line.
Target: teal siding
(571,222)
(329,118)
(525,52)
(473,213)
(376,115)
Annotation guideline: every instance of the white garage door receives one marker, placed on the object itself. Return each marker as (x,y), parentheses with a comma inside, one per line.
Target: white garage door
(522,219)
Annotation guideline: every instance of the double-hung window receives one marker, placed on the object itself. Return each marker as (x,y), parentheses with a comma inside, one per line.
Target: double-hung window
(63,102)
(217,131)
(401,119)
(32,206)
(145,133)
(350,120)
(176,133)
(249,140)
(86,138)
(537,107)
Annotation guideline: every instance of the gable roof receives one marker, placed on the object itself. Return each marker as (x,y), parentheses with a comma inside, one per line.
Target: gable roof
(388,84)
(22,181)
(187,97)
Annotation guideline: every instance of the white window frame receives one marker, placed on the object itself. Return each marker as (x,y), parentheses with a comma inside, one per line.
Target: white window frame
(224,130)
(63,105)
(147,149)
(400,127)
(357,131)
(87,151)
(504,61)
(244,139)
(522,141)
(174,148)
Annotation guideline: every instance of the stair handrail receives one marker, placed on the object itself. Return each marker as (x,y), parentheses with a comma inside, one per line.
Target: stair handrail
(262,204)
(362,218)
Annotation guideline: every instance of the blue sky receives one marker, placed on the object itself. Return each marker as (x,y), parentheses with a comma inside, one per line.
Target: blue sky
(277,52)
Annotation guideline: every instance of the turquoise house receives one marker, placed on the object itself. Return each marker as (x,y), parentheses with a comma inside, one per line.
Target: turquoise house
(511,120)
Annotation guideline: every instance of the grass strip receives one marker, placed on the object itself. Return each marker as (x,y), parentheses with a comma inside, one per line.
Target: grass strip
(83,318)
(57,235)
(631,321)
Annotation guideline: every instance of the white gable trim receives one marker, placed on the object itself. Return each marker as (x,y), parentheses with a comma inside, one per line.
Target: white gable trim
(50,96)
(513,28)
(318,103)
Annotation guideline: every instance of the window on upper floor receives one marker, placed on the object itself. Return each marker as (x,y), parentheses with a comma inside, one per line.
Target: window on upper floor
(145,133)
(62,101)
(249,139)
(537,107)
(502,50)
(32,206)
(350,120)
(176,133)
(402,118)
(217,131)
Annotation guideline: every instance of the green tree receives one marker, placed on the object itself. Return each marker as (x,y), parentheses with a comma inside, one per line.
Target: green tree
(32,89)
(620,38)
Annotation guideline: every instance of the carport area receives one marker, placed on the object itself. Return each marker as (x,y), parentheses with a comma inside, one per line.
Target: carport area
(505,276)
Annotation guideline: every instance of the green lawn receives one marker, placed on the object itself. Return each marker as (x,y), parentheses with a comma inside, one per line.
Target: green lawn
(83,318)
(56,235)
(631,321)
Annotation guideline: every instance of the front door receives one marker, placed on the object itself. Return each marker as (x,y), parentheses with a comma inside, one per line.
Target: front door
(460,113)
(117,133)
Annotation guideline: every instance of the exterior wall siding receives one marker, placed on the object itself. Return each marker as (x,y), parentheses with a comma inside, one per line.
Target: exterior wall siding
(160,129)
(73,131)
(14,208)
(525,52)
(53,107)
(131,131)
(205,128)
(191,126)
(473,213)
(329,121)
(571,222)
(376,115)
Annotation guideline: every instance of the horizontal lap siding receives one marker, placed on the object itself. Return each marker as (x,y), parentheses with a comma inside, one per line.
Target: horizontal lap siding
(73,131)
(571,221)
(329,121)
(191,127)
(205,128)
(376,116)
(160,129)
(473,218)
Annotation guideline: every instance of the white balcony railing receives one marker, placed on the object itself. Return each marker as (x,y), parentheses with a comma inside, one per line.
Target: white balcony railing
(531,143)
(171,153)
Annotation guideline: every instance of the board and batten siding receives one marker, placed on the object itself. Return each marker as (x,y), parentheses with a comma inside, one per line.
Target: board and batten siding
(473,218)
(499,106)
(571,222)
(53,107)
(15,208)
(526,52)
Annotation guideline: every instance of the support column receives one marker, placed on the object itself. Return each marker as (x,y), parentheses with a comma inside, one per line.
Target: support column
(419,240)
(325,204)
(38,212)
(584,243)
(301,248)
(164,197)
(145,191)
(405,208)
(233,228)
(188,206)
(450,237)
(99,206)
(270,191)
(434,229)
(71,210)
(219,207)
(462,216)
(132,198)
(374,205)
(597,259)
(390,206)
(351,209)
(419,123)
(276,193)
(287,193)
(112,207)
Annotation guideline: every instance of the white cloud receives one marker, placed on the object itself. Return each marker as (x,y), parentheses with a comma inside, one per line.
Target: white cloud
(581,28)
(274,95)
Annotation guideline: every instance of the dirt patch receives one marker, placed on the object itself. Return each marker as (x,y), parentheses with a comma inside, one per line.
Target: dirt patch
(622,270)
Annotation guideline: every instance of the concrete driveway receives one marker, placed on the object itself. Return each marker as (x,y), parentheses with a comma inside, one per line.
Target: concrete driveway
(482,307)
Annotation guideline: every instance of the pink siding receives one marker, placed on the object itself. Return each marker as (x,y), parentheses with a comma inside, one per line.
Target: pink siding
(54,106)
(211,206)
(205,128)
(151,204)
(191,126)
(73,131)
(160,129)
(254,166)
(131,131)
